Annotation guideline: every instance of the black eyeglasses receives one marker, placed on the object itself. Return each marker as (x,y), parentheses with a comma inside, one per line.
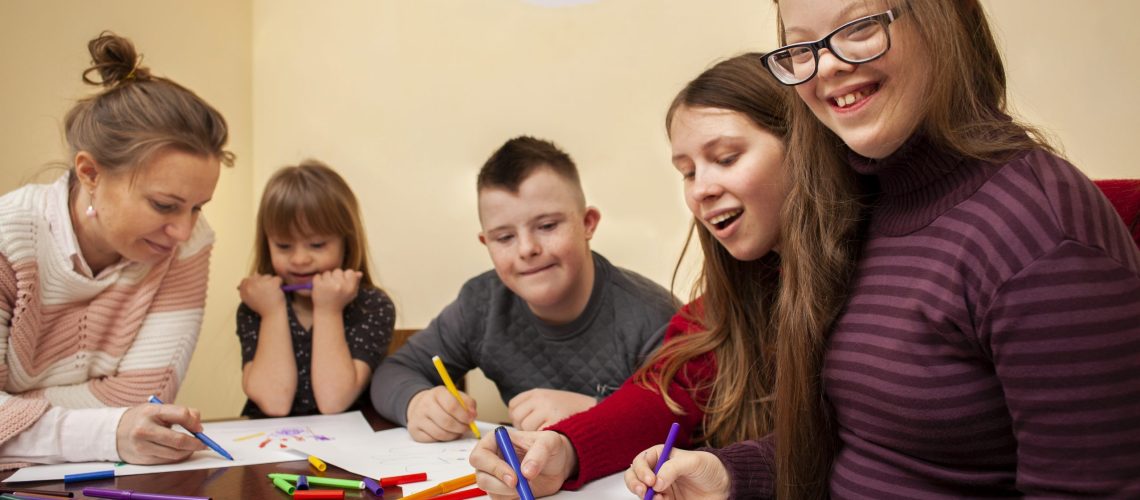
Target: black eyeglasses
(857,42)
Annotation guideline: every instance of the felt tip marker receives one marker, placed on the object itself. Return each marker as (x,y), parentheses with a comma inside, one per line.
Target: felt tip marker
(668,448)
(201,436)
(133,495)
(34,491)
(319,494)
(317,463)
(454,392)
(299,286)
(444,487)
(373,486)
(418,477)
(89,476)
(522,487)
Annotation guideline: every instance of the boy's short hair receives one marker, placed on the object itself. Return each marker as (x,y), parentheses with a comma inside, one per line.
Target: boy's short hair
(519,157)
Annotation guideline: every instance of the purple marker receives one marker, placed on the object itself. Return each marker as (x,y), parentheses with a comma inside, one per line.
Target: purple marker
(294,288)
(664,455)
(134,495)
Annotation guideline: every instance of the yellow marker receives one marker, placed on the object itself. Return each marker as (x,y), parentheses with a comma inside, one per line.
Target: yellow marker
(451,388)
(251,436)
(317,463)
(444,487)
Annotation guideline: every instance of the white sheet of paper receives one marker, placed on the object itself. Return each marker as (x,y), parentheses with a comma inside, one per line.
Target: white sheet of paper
(259,441)
(393,452)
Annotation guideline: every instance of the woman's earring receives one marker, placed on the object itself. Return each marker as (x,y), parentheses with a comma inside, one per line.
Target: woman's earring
(91,206)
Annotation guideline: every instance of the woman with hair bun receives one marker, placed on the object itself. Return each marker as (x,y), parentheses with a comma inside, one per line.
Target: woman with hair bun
(103,273)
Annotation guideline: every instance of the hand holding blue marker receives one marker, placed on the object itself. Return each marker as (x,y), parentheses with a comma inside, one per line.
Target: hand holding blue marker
(201,436)
(507,448)
(668,448)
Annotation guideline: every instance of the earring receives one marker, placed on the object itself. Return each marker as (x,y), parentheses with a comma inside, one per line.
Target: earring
(91,206)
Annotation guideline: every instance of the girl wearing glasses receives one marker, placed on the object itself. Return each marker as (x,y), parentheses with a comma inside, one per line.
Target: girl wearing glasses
(989,346)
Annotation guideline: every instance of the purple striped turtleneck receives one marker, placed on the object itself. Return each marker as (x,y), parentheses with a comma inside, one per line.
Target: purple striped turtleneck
(991,344)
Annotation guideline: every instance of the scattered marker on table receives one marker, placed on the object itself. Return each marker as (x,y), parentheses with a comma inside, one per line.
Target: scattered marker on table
(302,482)
(319,494)
(115,494)
(317,463)
(89,476)
(34,491)
(284,485)
(418,477)
(444,487)
(373,486)
(461,495)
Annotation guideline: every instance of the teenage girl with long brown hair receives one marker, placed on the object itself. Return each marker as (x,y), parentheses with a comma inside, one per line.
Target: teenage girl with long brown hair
(735,359)
(989,347)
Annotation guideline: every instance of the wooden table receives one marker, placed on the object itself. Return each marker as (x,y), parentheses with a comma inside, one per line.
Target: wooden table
(248,482)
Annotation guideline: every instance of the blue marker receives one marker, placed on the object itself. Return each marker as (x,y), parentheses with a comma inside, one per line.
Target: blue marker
(89,476)
(201,436)
(508,450)
(664,454)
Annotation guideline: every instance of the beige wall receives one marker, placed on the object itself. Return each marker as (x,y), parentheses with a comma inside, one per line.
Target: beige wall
(204,45)
(407,99)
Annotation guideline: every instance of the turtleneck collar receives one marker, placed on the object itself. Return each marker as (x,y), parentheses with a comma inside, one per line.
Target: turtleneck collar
(919,182)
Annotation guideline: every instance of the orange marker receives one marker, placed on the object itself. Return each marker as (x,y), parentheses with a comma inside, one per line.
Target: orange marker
(444,487)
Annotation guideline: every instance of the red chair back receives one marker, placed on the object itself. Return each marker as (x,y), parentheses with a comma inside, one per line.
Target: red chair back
(1125,197)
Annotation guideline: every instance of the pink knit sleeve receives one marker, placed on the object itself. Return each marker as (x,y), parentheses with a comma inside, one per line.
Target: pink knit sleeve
(16,414)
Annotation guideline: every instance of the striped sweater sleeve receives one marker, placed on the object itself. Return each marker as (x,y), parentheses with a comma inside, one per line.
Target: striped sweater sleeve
(18,413)
(159,356)
(1064,336)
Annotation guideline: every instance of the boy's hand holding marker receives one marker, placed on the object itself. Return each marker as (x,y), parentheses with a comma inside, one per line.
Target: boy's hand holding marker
(441,413)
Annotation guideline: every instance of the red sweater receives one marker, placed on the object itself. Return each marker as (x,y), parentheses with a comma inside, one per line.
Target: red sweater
(609,435)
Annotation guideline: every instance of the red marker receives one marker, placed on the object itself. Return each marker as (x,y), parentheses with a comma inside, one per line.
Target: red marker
(319,494)
(398,480)
(460,495)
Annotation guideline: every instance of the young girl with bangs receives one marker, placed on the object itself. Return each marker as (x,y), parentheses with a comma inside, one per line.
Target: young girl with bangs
(989,347)
(738,362)
(312,325)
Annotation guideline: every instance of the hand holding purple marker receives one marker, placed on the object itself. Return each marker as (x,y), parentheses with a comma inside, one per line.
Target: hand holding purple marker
(299,286)
(664,455)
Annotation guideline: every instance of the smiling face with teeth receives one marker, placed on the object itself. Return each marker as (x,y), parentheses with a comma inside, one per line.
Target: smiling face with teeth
(873,107)
(539,241)
(734,177)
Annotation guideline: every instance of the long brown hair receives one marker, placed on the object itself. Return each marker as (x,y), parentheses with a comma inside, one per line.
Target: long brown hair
(966,113)
(765,321)
(310,198)
(137,113)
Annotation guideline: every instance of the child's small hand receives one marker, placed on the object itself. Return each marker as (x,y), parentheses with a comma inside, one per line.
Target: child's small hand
(537,408)
(262,293)
(435,415)
(687,474)
(335,289)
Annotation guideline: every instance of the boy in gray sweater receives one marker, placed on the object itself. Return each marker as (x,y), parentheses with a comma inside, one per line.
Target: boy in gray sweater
(555,326)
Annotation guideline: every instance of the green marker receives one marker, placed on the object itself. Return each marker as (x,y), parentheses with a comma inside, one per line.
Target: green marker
(284,485)
(321,481)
